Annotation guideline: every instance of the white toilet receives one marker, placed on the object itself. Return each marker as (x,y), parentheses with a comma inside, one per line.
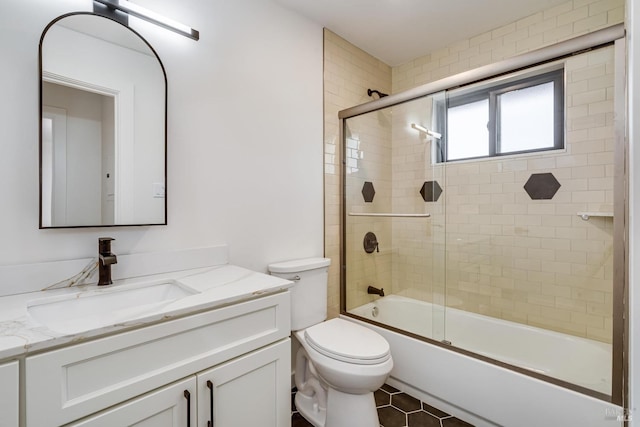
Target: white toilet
(340,363)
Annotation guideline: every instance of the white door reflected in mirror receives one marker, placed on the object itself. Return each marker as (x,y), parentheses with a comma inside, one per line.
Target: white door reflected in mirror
(78,157)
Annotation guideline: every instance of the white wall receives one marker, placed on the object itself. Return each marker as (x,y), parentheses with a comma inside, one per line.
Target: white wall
(633,37)
(244,133)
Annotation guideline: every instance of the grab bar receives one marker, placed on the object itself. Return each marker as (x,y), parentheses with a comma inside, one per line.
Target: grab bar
(425,215)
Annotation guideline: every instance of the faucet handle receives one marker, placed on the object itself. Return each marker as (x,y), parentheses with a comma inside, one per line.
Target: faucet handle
(104,244)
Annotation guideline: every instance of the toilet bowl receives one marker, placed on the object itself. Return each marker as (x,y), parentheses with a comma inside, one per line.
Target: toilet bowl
(350,362)
(339,363)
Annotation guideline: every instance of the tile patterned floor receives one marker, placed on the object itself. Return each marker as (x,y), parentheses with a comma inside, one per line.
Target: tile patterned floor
(397,409)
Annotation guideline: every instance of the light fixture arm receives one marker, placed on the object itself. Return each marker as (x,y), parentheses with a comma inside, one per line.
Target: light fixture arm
(142,13)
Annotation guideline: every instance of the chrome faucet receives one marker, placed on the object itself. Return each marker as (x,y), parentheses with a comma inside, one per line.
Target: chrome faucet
(105,260)
(375,291)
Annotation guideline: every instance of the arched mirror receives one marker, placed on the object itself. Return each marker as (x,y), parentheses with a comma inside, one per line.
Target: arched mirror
(103,125)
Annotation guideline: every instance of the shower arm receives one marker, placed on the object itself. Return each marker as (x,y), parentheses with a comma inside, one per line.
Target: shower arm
(370,92)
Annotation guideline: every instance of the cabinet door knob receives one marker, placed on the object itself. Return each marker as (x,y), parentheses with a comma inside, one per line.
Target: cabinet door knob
(187,395)
(210,387)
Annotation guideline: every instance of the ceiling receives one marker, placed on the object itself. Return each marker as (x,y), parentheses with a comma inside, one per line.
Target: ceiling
(397,31)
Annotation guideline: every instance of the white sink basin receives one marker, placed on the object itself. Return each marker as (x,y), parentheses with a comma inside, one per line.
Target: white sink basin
(92,309)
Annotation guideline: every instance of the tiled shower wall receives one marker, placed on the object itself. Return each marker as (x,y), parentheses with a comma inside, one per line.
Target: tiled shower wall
(569,294)
(368,160)
(419,255)
(507,256)
(550,26)
(348,73)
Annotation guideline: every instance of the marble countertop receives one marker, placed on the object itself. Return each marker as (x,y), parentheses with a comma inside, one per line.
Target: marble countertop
(21,333)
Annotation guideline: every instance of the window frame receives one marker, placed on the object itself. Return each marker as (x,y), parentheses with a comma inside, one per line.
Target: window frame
(492,93)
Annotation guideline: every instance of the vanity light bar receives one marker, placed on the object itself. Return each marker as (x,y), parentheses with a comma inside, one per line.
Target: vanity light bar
(142,13)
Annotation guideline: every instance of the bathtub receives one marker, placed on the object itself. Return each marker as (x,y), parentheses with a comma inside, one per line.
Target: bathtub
(485,393)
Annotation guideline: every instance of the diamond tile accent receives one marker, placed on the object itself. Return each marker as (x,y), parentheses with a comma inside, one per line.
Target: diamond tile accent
(368,192)
(542,186)
(431,191)
(398,409)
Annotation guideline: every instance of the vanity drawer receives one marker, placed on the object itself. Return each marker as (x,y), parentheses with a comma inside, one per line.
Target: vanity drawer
(66,384)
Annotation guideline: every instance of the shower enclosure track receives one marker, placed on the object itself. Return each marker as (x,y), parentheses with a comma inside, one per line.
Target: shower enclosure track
(535,57)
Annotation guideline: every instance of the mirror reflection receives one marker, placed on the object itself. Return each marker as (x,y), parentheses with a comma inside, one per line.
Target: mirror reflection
(103,136)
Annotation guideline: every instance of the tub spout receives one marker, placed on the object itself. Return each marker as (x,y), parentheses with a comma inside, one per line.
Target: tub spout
(375,291)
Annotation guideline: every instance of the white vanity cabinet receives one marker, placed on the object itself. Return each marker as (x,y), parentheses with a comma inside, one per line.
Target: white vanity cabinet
(9,394)
(143,373)
(243,392)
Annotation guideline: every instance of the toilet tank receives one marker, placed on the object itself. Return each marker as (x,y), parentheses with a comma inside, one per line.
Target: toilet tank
(309,292)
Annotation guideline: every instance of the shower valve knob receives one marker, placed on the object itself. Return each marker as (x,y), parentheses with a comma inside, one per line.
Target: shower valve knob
(370,243)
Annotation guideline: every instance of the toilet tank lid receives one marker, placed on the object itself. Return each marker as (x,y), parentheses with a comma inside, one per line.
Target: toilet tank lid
(298,265)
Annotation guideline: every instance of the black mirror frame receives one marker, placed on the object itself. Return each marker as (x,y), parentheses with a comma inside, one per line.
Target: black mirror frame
(118,20)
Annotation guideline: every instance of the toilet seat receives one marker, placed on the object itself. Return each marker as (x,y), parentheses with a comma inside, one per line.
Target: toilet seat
(348,342)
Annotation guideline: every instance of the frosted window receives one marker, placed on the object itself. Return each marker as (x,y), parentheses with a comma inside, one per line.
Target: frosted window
(467,133)
(527,119)
(516,115)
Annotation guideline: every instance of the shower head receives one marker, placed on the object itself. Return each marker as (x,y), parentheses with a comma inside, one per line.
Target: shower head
(370,92)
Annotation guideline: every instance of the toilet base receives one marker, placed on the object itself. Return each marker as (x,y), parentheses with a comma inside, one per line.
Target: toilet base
(308,408)
(343,410)
(351,410)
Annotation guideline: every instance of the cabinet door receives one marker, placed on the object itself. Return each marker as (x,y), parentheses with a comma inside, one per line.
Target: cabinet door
(9,394)
(251,390)
(171,406)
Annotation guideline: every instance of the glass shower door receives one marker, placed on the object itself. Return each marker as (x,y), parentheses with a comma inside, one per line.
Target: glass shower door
(529,244)
(394,236)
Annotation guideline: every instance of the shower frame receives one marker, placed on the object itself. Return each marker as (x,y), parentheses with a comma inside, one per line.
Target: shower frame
(610,36)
